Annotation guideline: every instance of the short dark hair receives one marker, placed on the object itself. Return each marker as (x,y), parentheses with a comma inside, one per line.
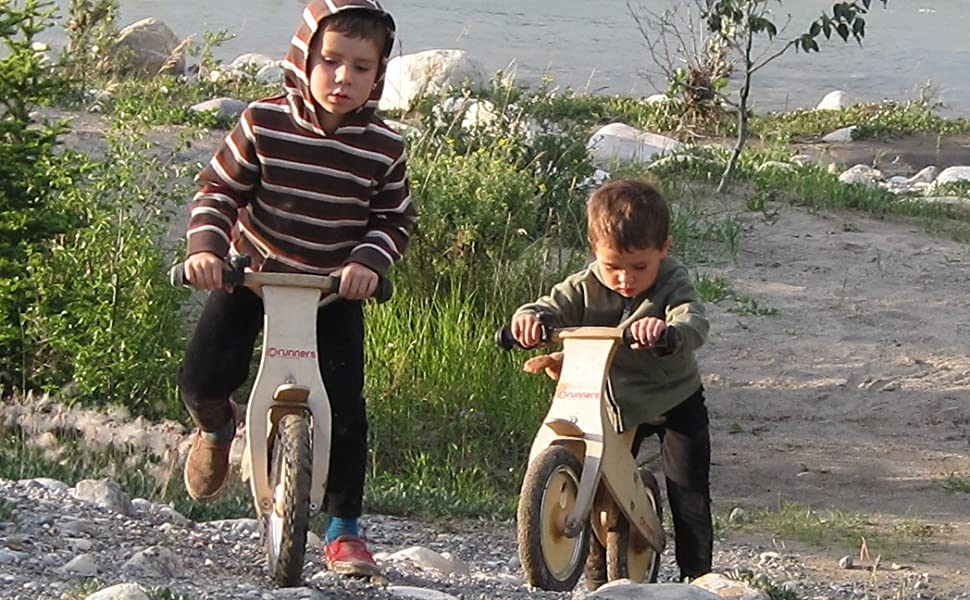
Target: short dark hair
(359,23)
(628,214)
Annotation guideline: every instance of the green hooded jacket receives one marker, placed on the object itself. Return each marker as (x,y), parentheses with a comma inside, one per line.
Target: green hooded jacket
(644,384)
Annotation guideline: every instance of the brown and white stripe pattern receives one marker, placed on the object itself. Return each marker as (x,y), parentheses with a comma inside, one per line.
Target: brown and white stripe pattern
(296,199)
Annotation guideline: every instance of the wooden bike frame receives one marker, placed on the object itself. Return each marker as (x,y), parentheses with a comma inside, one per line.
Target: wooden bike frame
(579,420)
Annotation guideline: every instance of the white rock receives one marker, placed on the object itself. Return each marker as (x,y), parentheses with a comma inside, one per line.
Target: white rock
(251,60)
(173,516)
(926,175)
(122,591)
(425,558)
(861,174)
(835,100)
(618,142)
(270,74)
(141,505)
(953,175)
(801,160)
(415,593)
(301,593)
(656,99)
(474,113)
(728,589)
(50,484)
(156,560)
(150,42)
(623,589)
(840,135)
(79,544)
(430,72)
(403,128)
(82,564)
(775,165)
(845,562)
(105,493)
(226,107)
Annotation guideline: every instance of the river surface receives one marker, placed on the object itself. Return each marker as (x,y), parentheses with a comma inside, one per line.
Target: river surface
(595,45)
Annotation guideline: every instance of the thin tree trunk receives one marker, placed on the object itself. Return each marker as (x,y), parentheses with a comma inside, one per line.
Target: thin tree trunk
(743,116)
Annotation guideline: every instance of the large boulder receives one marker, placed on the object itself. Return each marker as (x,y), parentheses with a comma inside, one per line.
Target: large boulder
(149,43)
(618,142)
(954,175)
(410,76)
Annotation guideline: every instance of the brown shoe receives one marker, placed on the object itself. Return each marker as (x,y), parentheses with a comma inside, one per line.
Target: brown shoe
(207,465)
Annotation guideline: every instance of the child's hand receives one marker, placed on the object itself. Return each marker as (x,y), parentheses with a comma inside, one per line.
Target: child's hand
(550,363)
(357,282)
(646,332)
(204,271)
(527,330)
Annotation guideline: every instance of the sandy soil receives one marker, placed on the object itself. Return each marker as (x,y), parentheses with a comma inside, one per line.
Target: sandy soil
(856,395)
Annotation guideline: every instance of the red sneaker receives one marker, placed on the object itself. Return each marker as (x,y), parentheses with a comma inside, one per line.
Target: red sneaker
(348,555)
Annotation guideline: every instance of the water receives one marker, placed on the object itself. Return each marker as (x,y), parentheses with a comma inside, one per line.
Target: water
(595,46)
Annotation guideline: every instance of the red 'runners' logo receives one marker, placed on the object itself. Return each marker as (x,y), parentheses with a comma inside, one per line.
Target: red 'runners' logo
(274,352)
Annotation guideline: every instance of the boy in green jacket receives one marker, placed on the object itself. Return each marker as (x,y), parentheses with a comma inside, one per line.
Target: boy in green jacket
(634,283)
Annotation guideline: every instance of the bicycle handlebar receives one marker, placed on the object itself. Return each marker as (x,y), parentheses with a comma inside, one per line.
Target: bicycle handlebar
(235,275)
(668,343)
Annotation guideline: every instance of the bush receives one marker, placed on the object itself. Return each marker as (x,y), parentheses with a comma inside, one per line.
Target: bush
(30,174)
(103,319)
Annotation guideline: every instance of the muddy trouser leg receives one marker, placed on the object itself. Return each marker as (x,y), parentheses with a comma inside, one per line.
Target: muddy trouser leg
(340,339)
(686,449)
(218,356)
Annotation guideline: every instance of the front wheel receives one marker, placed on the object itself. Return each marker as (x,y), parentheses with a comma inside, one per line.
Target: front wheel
(551,560)
(628,554)
(285,526)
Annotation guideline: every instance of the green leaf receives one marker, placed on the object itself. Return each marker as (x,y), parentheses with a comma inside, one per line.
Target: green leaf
(843,30)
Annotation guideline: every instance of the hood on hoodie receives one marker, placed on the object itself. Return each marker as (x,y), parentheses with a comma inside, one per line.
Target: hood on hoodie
(297,78)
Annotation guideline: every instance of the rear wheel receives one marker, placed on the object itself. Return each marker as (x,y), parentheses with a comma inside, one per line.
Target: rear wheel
(551,560)
(628,554)
(285,527)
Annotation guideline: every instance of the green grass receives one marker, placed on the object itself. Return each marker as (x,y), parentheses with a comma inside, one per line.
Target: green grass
(877,120)
(956,482)
(835,528)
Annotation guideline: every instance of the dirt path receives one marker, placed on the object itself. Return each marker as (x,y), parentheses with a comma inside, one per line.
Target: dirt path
(856,395)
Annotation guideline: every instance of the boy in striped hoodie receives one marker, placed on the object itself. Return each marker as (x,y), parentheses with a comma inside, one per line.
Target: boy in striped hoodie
(310,181)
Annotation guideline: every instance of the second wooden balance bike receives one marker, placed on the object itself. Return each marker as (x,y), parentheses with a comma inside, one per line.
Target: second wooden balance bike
(287,453)
(582,478)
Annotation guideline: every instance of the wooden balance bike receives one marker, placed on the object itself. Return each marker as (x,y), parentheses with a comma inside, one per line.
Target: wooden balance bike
(582,478)
(287,453)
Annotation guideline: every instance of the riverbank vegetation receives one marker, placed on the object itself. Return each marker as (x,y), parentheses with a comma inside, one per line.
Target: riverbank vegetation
(88,315)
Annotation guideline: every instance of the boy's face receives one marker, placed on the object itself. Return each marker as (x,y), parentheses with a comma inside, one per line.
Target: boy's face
(342,72)
(630,273)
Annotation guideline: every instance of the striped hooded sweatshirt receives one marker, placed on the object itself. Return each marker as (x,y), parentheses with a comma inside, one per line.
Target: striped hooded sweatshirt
(295,198)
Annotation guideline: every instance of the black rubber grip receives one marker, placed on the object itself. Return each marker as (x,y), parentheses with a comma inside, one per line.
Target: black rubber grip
(383,293)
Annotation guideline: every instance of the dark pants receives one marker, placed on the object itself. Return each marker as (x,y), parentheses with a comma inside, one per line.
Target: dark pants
(217,363)
(685,445)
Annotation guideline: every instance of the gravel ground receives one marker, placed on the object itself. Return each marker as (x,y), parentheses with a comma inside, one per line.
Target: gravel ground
(52,542)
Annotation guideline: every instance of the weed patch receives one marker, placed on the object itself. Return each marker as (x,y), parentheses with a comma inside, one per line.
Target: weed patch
(956,482)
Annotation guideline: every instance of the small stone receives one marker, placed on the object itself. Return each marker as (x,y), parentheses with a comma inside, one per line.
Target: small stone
(738,515)
(415,593)
(122,591)
(224,107)
(846,562)
(82,564)
(898,567)
(768,557)
(892,386)
(846,134)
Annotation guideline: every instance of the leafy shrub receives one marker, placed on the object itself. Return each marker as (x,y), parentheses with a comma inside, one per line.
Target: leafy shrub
(30,174)
(103,319)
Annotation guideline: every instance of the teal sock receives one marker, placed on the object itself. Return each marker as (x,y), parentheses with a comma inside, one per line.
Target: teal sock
(338,526)
(222,436)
